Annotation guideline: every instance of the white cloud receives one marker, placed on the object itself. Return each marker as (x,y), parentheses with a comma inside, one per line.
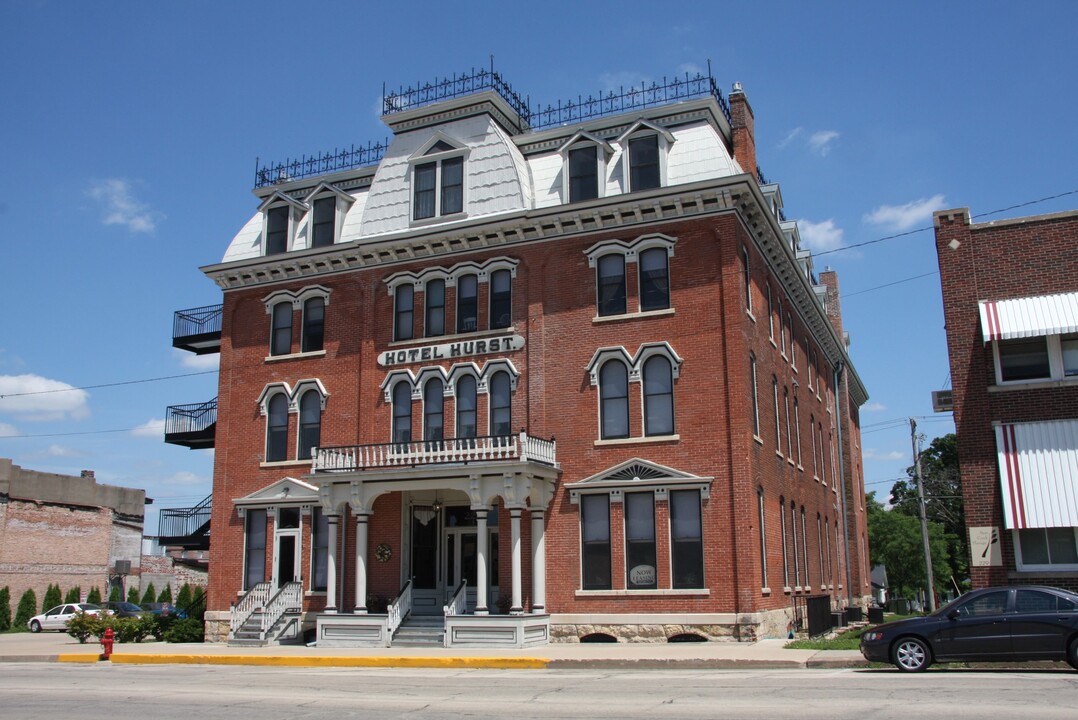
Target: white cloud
(790,137)
(874,454)
(152,428)
(32,397)
(873,407)
(61,451)
(820,236)
(209,361)
(622,80)
(904,217)
(8,430)
(820,142)
(120,206)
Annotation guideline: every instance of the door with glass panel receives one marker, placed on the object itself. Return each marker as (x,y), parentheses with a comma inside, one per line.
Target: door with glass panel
(286,542)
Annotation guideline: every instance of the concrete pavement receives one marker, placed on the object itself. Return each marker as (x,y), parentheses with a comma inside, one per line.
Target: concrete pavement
(60,647)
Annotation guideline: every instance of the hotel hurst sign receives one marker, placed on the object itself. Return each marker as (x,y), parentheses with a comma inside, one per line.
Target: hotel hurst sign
(451,351)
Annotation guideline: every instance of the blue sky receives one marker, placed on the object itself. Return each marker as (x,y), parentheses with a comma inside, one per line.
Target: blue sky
(130,131)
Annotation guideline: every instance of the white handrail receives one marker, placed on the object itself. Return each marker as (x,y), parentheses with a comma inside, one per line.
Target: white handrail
(289,597)
(255,598)
(458,603)
(399,609)
(519,446)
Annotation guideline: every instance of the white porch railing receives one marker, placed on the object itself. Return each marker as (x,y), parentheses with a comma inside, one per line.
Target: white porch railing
(399,609)
(255,598)
(520,447)
(459,602)
(289,597)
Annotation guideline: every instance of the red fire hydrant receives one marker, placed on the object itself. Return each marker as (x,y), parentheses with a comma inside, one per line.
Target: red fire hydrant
(106,644)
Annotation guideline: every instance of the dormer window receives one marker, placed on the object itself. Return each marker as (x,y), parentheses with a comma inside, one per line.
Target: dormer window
(584,159)
(277,230)
(645,146)
(323,221)
(438,181)
(280,215)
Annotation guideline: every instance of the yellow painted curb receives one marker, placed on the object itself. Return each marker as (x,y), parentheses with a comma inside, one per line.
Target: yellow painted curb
(488,663)
(78,658)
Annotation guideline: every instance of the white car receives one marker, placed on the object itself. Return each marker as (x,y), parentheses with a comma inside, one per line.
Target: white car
(57,617)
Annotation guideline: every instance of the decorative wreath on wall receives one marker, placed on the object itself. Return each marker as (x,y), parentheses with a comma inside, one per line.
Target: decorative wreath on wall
(383,552)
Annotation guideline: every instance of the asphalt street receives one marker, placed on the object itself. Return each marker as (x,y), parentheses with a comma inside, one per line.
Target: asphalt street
(136,692)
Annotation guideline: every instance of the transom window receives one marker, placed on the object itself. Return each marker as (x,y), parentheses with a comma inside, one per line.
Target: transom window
(438,184)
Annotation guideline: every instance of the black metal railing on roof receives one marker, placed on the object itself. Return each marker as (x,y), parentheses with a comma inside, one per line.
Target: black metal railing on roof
(321,164)
(447,88)
(635,97)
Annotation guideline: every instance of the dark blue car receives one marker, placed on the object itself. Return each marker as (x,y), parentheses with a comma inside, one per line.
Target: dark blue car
(991,625)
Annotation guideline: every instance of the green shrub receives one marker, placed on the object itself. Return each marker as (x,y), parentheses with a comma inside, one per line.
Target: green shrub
(5,609)
(132,629)
(83,625)
(115,594)
(94,596)
(132,595)
(183,597)
(73,595)
(53,597)
(166,595)
(150,595)
(188,630)
(26,610)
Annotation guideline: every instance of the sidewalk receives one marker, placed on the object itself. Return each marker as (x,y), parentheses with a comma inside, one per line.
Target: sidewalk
(59,647)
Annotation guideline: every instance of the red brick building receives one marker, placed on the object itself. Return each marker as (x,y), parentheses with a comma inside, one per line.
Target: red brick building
(555,374)
(1010,295)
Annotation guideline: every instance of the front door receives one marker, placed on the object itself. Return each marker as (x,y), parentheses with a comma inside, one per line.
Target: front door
(461,554)
(286,555)
(445,550)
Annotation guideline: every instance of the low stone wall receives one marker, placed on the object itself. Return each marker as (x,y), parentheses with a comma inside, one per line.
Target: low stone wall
(216,626)
(719,627)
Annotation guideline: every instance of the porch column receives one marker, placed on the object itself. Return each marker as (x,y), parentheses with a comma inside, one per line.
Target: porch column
(481,590)
(331,563)
(538,561)
(518,604)
(361,564)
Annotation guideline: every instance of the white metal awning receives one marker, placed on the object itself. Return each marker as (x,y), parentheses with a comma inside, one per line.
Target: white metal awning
(1029,317)
(1038,470)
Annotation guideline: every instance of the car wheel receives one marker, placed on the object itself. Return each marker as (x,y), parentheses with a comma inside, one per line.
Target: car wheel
(35,626)
(1072,653)
(911,654)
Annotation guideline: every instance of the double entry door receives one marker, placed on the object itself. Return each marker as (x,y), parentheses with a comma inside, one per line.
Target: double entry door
(445,551)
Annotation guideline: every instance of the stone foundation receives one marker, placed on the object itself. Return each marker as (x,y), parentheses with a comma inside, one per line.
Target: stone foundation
(216,626)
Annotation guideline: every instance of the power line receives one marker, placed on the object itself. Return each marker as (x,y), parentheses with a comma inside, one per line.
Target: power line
(106,385)
(84,432)
(896,282)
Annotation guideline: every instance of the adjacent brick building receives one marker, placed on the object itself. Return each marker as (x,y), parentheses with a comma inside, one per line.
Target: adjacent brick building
(1010,295)
(576,358)
(70,531)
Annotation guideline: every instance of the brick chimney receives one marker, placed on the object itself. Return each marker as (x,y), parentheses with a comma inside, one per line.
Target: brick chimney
(743,125)
(829,279)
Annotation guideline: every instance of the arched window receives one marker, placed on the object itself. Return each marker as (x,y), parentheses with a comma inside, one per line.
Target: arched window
(277,429)
(434,323)
(611,271)
(785,544)
(501,299)
(654,279)
(755,398)
(501,405)
(314,324)
(778,428)
(433,410)
(466,420)
(403,312)
(402,413)
(281,342)
(310,424)
(467,303)
(614,394)
(658,397)
(770,313)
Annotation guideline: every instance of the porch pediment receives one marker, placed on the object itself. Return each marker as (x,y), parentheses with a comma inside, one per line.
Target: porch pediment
(286,491)
(637,474)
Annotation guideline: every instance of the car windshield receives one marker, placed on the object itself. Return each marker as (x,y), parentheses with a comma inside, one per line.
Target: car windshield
(86,606)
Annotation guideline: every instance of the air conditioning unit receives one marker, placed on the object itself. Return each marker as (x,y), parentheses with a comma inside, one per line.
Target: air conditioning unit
(943,400)
(123,567)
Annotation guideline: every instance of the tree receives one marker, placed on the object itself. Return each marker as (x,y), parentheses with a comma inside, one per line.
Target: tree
(52,598)
(5,609)
(166,594)
(943,502)
(183,598)
(132,595)
(94,596)
(26,610)
(73,595)
(895,540)
(150,595)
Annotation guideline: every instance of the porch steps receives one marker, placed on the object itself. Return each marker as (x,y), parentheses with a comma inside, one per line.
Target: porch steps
(420,631)
(248,634)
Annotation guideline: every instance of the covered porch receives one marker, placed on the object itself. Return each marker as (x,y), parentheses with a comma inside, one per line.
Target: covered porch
(461,511)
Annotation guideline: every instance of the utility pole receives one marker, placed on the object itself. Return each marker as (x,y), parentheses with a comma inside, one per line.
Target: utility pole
(924,516)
